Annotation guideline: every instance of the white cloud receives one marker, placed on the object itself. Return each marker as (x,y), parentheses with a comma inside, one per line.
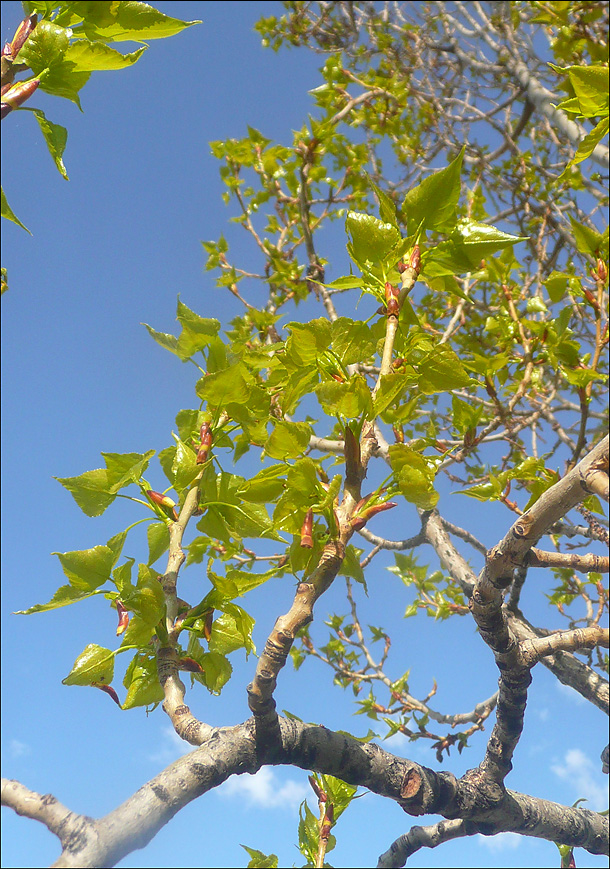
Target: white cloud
(264,789)
(401,745)
(570,694)
(500,842)
(170,748)
(585,778)
(18,749)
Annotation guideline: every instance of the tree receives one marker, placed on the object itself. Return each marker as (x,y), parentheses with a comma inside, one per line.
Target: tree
(474,363)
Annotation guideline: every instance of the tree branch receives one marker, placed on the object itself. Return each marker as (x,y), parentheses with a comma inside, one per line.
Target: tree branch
(570,641)
(583,563)
(417,789)
(422,837)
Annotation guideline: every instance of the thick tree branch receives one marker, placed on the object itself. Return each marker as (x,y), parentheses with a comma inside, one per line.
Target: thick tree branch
(423,837)
(568,669)
(417,789)
(583,563)
(531,525)
(567,641)
(44,808)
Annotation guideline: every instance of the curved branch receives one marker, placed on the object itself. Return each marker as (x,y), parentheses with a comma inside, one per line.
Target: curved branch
(417,789)
(583,563)
(552,505)
(422,837)
(42,807)
(570,641)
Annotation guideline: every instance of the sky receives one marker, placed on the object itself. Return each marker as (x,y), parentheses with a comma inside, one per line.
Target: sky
(111,249)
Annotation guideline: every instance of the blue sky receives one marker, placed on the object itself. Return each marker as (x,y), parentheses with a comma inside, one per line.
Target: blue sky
(111,249)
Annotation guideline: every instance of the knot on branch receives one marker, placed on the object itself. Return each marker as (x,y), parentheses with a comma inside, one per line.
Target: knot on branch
(423,791)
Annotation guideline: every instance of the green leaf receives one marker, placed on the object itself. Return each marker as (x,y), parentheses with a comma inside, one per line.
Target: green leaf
(121,21)
(258,860)
(157,534)
(94,665)
(587,146)
(350,400)
(442,371)
(434,201)
(184,466)
(582,376)
(484,491)
(231,631)
(288,439)
(56,137)
(392,387)
(197,332)
(44,52)
(590,85)
(352,340)
(265,486)
(115,544)
(370,240)
(146,599)
(414,475)
(225,386)
(588,241)
(164,339)
(307,341)
(340,794)
(138,633)
(45,46)
(351,566)
(465,416)
(216,671)
(122,578)
(95,490)
(61,81)
(387,207)
(308,833)
(556,285)
(479,240)
(87,569)
(90,491)
(7,212)
(125,468)
(89,56)
(64,596)
(246,580)
(142,682)
(349,282)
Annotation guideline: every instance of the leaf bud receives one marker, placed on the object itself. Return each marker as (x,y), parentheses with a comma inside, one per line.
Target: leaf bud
(123,618)
(190,665)
(307,530)
(360,521)
(322,797)
(415,259)
(17,94)
(21,34)
(602,271)
(590,297)
(108,689)
(391,300)
(207,625)
(205,442)
(166,504)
